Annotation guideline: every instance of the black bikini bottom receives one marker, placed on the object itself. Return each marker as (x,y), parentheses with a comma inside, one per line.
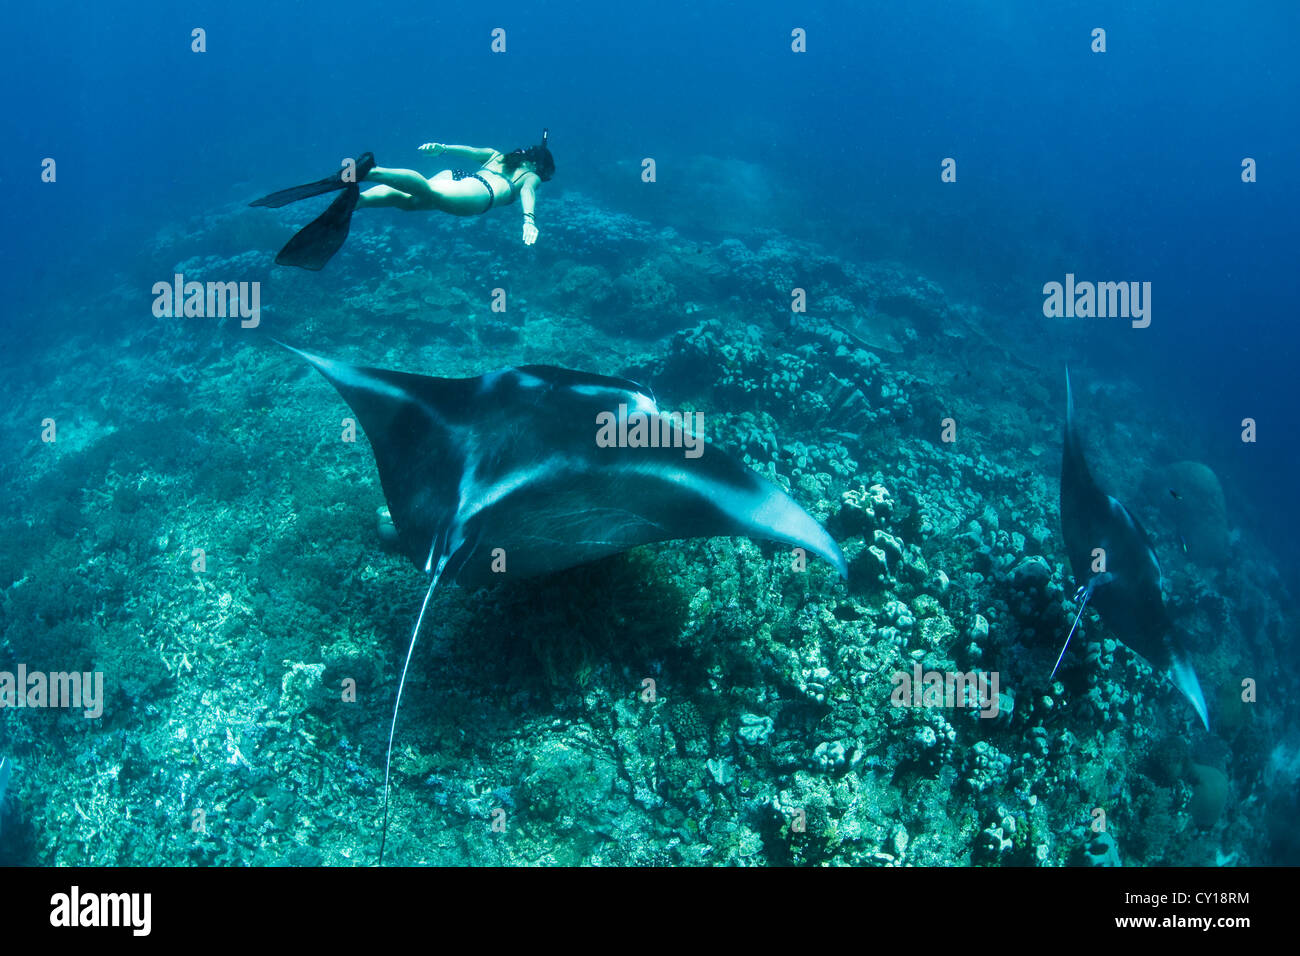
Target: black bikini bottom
(458,174)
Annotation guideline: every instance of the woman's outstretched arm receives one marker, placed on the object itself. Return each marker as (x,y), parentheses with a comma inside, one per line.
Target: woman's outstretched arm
(528,201)
(477,154)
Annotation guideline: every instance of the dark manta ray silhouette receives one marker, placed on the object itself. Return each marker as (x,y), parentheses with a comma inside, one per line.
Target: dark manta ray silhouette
(1111,555)
(510,461)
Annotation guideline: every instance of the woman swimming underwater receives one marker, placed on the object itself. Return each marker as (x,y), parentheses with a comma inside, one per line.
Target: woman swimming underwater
(499,181)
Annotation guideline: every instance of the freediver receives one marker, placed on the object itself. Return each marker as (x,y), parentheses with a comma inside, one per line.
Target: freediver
(499,181)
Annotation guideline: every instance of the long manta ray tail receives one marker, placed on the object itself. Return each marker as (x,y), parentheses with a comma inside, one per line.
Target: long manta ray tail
(392,727)
(1182,676)
(1098,580)
(1074,627)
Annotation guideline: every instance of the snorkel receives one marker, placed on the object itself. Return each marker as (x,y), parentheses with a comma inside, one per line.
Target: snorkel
(544,161)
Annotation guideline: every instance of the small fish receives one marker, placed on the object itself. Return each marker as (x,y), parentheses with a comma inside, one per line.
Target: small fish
(1178,529)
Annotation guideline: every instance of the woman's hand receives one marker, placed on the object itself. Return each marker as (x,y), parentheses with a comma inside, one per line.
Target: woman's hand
(433,148)
(530,232)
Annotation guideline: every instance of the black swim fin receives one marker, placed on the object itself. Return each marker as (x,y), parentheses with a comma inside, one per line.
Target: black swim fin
(315,243)
(365,163)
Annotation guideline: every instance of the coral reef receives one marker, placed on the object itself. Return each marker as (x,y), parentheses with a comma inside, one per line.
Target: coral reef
(702,702)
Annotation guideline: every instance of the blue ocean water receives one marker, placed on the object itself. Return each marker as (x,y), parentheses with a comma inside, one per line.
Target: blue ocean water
(1122,165)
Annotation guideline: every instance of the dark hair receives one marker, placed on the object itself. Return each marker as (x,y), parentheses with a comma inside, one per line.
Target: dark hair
(539,156)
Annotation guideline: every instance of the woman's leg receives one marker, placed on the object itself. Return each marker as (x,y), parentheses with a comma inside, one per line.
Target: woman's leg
(406,180)
(379,196)
(403,188)
(407,189)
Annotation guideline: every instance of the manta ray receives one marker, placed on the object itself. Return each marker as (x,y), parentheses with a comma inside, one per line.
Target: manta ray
(513,470)
(1117,570)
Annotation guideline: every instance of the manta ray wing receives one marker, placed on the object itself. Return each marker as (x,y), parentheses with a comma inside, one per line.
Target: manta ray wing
(509,464)
(414,442)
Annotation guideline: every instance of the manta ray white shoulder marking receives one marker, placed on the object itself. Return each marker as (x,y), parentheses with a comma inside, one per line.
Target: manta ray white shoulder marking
(490,380)
(635,401)
(643,403)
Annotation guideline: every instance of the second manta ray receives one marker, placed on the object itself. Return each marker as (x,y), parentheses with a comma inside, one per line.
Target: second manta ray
(509,466)
(1117,570)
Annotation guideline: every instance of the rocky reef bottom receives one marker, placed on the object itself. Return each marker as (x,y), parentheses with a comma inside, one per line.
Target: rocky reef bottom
(199,534)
